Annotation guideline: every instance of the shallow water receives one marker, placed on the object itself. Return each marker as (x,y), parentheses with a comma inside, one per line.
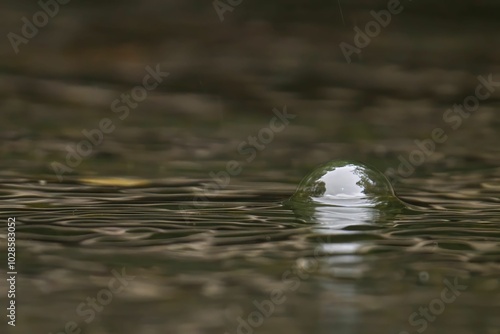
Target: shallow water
(204,268)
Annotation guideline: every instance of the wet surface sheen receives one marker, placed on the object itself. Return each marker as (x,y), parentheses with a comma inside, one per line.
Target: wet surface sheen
(199,267)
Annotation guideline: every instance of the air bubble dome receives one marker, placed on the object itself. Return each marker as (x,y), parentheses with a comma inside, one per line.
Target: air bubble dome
(345,184)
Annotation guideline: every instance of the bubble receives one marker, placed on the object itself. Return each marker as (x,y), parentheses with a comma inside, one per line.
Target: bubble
(345,184)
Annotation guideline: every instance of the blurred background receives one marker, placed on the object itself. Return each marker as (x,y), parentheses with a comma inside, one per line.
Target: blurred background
(91,77)
(227,76)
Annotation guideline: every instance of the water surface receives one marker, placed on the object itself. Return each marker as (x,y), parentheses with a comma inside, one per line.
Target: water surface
(204,268)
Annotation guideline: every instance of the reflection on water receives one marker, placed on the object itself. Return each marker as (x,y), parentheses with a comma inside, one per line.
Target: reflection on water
(243,261)
(346,184)
(209,269)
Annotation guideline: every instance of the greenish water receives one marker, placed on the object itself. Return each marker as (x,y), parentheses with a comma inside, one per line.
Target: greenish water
(176,223)
(241,260)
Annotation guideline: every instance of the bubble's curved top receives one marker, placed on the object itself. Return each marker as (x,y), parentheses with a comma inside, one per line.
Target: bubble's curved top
(345,184)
